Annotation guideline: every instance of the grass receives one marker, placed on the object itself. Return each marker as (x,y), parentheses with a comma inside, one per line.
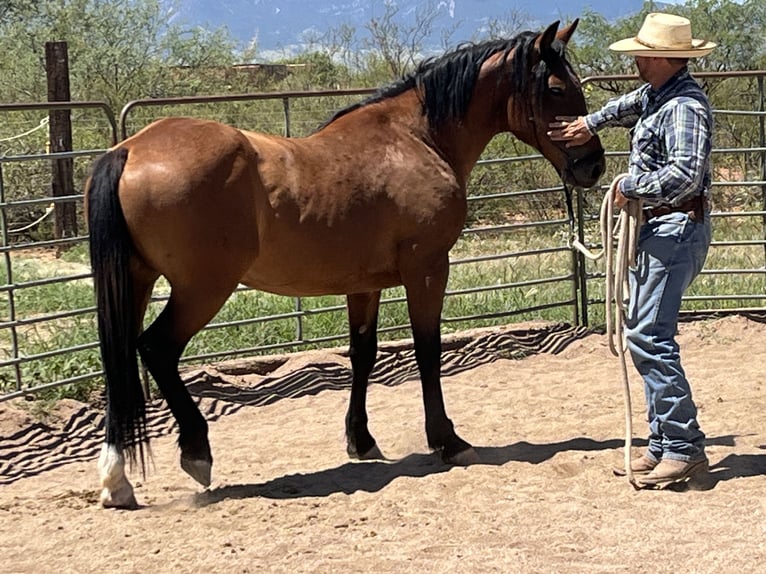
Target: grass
(527,286)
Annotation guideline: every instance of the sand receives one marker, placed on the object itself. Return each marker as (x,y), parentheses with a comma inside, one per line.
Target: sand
(548,427)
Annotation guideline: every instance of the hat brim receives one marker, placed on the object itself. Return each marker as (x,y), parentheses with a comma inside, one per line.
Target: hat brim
(630,47)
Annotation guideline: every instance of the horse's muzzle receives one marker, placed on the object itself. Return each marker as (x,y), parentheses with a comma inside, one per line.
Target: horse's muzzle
(585,171)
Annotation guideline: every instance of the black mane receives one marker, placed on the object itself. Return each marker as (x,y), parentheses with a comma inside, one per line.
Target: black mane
(446,82)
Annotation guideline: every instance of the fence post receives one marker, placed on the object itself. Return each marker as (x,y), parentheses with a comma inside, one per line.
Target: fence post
(60,130)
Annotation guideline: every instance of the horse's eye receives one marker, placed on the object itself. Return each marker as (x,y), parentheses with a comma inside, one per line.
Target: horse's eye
(557,91)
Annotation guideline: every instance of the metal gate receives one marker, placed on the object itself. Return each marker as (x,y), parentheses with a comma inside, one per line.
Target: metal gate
(513,261)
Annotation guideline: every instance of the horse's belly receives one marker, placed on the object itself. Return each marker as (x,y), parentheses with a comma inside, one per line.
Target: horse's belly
(297,283)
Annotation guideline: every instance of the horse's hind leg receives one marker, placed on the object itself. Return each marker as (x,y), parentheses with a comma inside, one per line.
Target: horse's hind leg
(425,294)
(161,346)
(363,326)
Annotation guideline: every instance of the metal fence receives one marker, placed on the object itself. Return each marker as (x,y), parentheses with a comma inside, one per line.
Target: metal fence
(734,277)
(513,261)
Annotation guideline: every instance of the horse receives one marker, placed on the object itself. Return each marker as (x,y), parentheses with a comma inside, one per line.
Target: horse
(374,198)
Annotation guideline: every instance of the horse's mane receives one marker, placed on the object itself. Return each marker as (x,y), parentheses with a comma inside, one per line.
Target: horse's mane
(446,82)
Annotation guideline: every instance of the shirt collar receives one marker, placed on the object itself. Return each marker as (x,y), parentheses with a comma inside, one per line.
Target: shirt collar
(669,86)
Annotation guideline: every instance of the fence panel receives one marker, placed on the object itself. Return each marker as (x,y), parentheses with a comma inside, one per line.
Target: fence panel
(513,262)
(46,304)
(734,277)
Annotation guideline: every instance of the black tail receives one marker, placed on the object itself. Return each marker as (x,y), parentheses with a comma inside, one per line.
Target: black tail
(110,249)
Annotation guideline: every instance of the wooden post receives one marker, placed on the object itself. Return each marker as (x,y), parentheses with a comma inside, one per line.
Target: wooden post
(60,130)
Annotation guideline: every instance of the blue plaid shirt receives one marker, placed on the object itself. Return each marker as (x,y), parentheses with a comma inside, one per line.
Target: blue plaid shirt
(671,139)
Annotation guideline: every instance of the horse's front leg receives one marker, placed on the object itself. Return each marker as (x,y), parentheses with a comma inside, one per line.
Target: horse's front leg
(363,327)
(425,296)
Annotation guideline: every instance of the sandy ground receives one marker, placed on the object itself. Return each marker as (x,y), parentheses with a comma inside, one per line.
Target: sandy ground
(548,428)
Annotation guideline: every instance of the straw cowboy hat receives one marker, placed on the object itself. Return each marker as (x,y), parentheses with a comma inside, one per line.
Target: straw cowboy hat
(664,36)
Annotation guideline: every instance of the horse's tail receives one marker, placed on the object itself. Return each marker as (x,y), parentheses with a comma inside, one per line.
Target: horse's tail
(118,324)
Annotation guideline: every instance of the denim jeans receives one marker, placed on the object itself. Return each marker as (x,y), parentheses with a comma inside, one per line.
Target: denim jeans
(671,252)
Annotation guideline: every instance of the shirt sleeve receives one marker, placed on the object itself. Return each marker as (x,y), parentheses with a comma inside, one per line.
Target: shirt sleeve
(623,111)
(686,135)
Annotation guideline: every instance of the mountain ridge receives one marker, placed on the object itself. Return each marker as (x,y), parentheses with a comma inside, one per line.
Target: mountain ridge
(285,24)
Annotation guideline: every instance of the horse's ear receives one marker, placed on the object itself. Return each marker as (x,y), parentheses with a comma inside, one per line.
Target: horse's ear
(544,40)
(565,34)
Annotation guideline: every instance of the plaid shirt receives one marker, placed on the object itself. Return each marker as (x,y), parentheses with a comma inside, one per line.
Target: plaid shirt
(671,139)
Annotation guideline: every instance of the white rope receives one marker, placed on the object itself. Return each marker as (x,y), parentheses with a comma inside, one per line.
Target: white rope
(618,260)
(42,124)
(48,211)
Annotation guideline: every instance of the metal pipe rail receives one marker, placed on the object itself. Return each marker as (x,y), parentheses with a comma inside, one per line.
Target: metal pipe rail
(492,247)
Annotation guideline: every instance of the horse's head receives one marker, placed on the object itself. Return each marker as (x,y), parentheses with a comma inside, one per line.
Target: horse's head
(554,90)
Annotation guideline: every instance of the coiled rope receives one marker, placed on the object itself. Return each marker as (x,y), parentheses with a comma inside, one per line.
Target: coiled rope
(618,260)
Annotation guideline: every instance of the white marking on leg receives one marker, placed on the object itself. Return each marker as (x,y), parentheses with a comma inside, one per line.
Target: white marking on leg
(117,492)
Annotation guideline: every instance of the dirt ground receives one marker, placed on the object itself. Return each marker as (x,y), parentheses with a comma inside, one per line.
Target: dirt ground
(548,428)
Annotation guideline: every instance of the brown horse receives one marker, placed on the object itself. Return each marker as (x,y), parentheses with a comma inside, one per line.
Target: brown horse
(373,199)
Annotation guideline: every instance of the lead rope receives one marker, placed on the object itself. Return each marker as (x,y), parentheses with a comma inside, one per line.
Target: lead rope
(617,264)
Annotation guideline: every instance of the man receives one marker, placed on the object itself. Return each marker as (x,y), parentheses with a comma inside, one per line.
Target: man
(669,169)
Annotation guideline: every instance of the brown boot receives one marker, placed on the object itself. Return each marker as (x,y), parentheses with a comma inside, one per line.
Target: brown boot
(671,471)
(641,465)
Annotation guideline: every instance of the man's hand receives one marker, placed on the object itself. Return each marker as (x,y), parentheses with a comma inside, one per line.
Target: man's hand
(620,200)
(570,129)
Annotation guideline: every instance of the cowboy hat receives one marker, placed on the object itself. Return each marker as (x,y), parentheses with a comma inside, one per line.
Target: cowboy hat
(664,36)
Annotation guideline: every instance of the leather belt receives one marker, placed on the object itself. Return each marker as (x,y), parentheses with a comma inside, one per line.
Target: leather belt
(694,207)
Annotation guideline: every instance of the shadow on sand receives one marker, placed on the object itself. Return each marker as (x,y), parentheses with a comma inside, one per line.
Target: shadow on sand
(373,476)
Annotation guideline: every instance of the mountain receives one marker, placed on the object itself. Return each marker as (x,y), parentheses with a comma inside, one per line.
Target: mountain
(285,24)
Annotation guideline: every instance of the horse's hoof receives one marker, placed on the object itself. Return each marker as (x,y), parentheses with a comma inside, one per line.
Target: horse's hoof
(199,470)
(116,490)
(372,454)
(355,453)
(120,498)
(464,458)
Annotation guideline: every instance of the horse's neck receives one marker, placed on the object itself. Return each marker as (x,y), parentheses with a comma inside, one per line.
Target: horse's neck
(463,140)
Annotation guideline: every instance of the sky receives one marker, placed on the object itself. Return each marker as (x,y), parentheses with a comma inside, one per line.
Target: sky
(276,23)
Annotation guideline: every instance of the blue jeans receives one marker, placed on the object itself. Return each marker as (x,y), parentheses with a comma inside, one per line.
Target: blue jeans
(671,252)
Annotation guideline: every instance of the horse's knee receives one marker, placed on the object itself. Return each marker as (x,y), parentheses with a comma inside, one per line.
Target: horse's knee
(116,490)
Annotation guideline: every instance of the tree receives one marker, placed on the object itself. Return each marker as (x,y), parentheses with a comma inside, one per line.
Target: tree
(119,49)
(737,27)
(340,45)
(397,44)
(741,42)
(509,25)
(15,10)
